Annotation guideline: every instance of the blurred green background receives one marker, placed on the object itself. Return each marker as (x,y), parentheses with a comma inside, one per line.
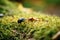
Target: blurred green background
(36,5)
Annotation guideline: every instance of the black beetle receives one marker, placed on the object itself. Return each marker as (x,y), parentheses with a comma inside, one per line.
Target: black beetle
(21,20)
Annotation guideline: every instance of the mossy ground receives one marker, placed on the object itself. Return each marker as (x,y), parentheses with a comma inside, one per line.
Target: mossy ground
(38,30)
